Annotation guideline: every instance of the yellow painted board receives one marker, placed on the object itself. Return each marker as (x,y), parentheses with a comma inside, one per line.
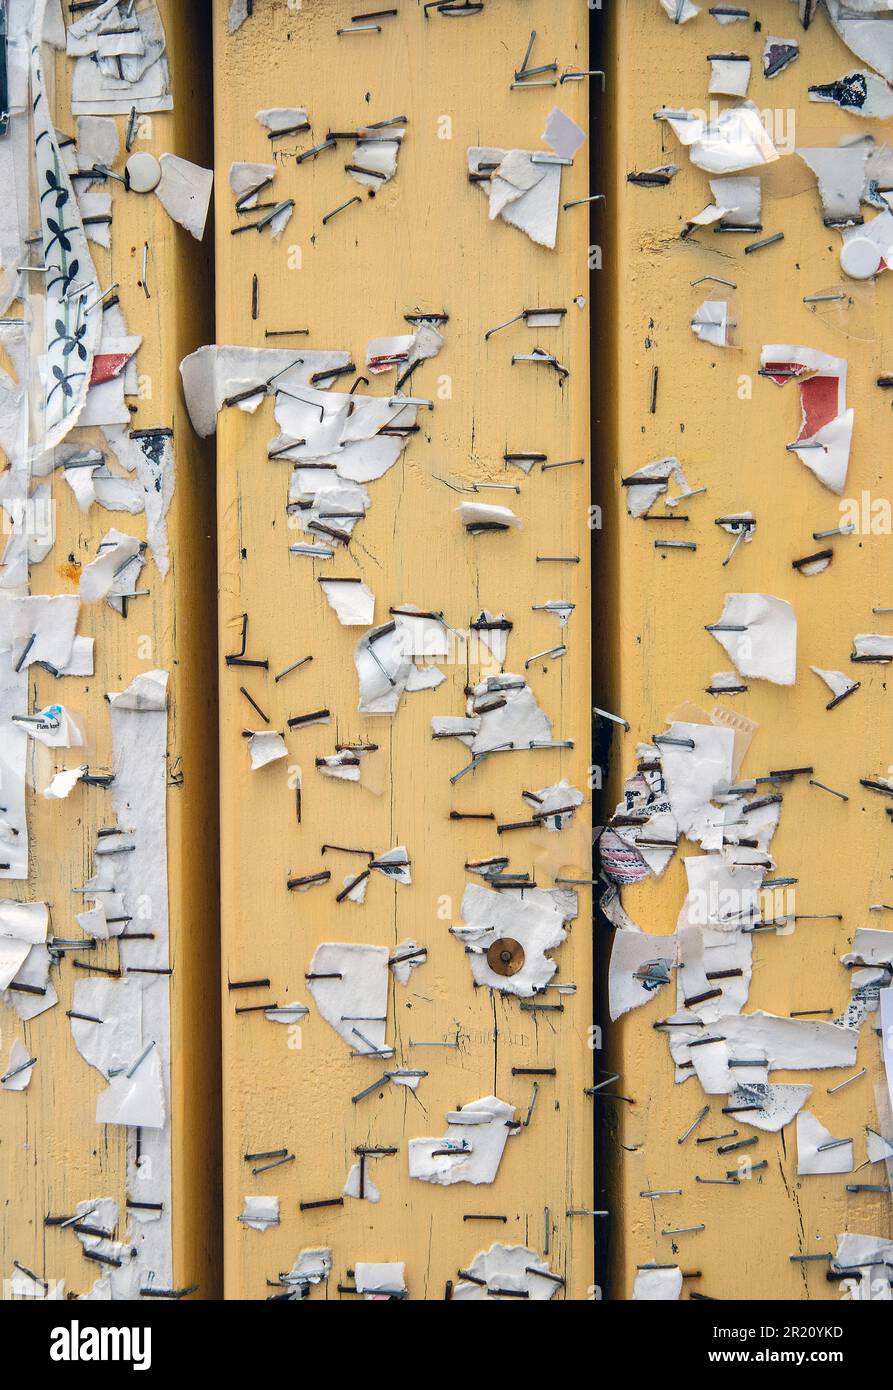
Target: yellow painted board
(52,1153)
(729,427)
(423,243)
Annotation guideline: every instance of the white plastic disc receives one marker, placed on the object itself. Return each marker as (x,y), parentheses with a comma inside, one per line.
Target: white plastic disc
(860,258)
(143,172)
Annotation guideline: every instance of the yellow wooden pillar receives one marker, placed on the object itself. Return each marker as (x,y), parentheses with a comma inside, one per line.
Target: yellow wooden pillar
(422,244)
(729,429)
(53,1154)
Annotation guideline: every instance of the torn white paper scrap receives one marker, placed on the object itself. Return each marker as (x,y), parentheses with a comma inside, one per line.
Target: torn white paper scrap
(378,1281)
(778,54)
(697,764)
(408,956)
(729,74)
(777,1104)
(886,1018)
(475,1143)
(711,322)
(840,171)
(872,646)
(480,516)
(353,601)
(680,11)
(878,1148)
(827,426)
(563,134)
(116,550)
(865,29)
(54,727)
(524,194)
(508,1268)
(817,1149)
(216,373)
(64,783)
(248,181)
(658,1284)
(185,192)
(370,1192)
(734,141)
(509,714)
(641,963)
(22,925)
(859,92)
(280,118)
(791,1044)
(759,632)
(265,746)
(20,1068)
(383,669)
(837,682)
(356,987)
(135,1097)
(260,1213)
(524,925)
(652,481)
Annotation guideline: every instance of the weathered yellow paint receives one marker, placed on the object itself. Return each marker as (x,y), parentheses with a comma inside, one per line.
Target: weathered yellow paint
(659,604)
(52,1153)
(424,242)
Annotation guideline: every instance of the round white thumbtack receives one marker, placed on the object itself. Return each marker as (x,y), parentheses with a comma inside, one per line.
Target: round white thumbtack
(860,258)
(143,172)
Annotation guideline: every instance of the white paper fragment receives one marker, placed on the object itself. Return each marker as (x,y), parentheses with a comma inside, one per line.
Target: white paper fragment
(735,140)
(737,202)
(658,1284)
(260,1213)
(563,134)
(869,38)
(811,1137)
(185,192)
(238,13)
(646,484)
(378,1281)
(116,552)
(837,682)
(358,989)
(532,918)
(766,647)
(118,67)
(790,1044)
(351,1188)
(524,194)
(827,426)
(54,727)
(245,177)
(512,1268)
(476,1138)
(64,783)
(265,746)
(481,516)
(840,171)
(20,1068)
(680,11)
(711,322)
(22,925)
(408,956)
(729,75)
(137,1099)
(215,373)
(310,1268)
(873,646)
(354,603)
(859,92)
(641,964)
(778,1104)
(282,117)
